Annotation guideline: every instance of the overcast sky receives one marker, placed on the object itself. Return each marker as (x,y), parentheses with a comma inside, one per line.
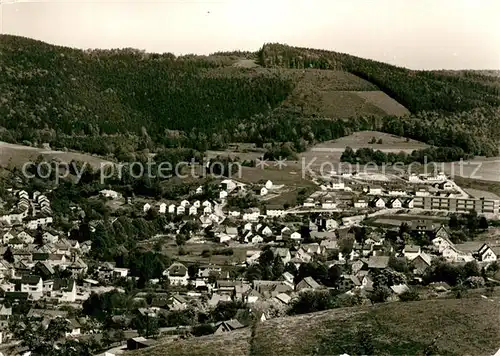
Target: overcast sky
(419,34)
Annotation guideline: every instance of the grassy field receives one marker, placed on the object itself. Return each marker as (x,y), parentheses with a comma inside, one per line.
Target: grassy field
(452,326)
(332,150)
(479,185)
(193,253)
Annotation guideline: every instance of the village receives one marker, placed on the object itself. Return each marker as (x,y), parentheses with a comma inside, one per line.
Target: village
(248,255)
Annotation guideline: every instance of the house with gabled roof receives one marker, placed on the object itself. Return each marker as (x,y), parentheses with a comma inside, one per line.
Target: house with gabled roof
(15,243)
(275,210)
(409,203)
(227,326)
(283,253)
(33,285)
(485,254)
(308,283)
(252,296)
(395,203)
(62,289)
(177,274)
(378,202)
(411,251)
(421,263)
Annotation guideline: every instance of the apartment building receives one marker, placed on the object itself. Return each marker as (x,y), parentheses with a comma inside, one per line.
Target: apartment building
(461,205)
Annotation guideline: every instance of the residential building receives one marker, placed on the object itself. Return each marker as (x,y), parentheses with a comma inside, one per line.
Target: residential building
(33,285)
(485,254)
(307,283)
(177,274)
(275,211)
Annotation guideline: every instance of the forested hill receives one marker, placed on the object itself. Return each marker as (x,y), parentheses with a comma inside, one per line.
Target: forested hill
(450,91)
(117,101)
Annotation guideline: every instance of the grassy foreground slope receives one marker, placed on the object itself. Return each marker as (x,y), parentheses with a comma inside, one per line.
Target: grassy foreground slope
(445,327)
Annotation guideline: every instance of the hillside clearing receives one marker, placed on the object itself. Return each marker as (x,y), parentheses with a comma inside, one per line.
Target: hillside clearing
(338,94)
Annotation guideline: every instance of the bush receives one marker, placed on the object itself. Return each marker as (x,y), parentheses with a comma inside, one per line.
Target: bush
(224,252)
(312,301)
(409,296)
(203,329)
(206,253)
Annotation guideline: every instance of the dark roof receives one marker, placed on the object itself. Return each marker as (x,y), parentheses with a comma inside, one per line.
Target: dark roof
(378,261)
(30,279)
(63,284)
(274,207)
(16,295)
(412,248)
(40,256)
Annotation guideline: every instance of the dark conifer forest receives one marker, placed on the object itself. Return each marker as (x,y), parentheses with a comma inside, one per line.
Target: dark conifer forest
(112,102)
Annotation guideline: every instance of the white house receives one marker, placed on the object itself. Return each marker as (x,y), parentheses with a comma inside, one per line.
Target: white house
(207,203)
(338,185)
(222,194)
(441,243)
(395,203)
(269,185)
(309,203)
(177,274)
(257,239)
(171,208)
(375,191)
(413,178)
(199,190)
(411,251)
(197,204)
(163,208)
(33,285)
(409,203)
(228,185)
(207,210)
(24,194)
(232,231)
(397,192)
(185,203)
(422,192)
(25,237)
(146,207)
(251,214)
(261,191)
(437,178)
(275,211)
(234,212)
(180,210)
(49,238)
(328,203)
(295,236)
(108,193)
(266,231)
(193,210)
(35,223)
(447,186)
(486,254)
(379,203)
(361,204)
(62,289)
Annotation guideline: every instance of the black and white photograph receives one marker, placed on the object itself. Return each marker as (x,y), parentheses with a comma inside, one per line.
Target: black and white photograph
(249,177)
